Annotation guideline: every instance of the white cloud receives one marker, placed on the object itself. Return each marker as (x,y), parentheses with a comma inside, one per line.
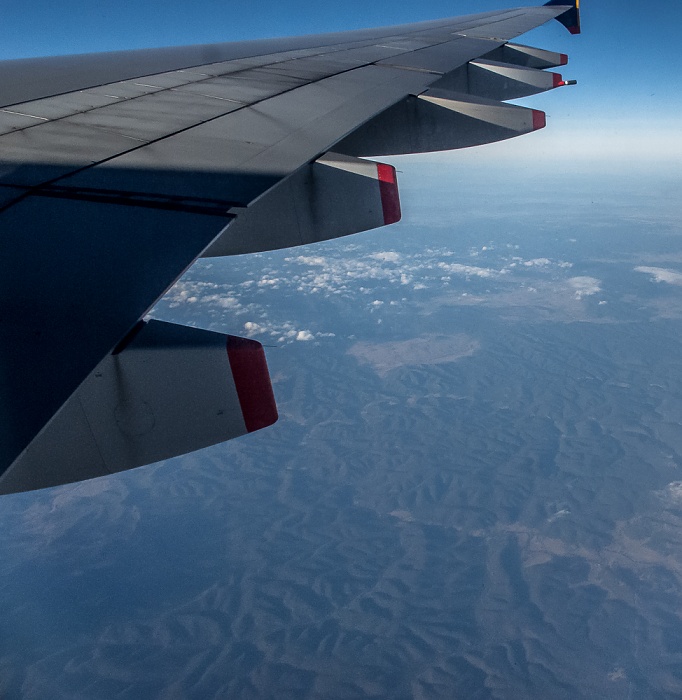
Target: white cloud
(661,274)
(618,674)
(347,276)
(468,270)
(269,282)
(584,286)
(541,263)
(672,492)
(352,275)
(308,260)
(386,256)
(224,302)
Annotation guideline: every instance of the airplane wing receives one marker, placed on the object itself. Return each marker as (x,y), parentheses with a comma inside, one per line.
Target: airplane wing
(118,170)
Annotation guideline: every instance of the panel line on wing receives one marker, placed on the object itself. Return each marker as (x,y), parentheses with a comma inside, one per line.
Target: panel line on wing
(242,70)
(286,57)
(191,205)
(74,119)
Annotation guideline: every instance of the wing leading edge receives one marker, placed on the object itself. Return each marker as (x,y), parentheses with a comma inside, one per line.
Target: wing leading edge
(117,172)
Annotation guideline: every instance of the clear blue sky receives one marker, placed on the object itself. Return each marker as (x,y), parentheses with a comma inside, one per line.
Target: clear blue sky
(628,61)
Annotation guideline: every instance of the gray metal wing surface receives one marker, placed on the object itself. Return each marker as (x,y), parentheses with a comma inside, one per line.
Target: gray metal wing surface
(118,170)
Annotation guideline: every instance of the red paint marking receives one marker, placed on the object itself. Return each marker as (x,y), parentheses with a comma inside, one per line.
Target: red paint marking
(539,120)
(252,381)
(564,59)
(390,197)
(558,79)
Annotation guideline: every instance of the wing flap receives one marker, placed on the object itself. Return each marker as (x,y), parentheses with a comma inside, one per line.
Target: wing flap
(439,120)
(171,390)
(527,56)
(498,81)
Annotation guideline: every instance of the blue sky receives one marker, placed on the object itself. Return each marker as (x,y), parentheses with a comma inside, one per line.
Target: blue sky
(626,108)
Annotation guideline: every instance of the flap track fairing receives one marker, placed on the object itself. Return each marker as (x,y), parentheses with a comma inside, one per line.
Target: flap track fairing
(440,120)
(527,56)
(335,196)
(498,81)
(172,389)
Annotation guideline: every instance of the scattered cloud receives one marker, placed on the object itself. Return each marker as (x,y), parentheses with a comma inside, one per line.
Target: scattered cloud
(309,260)
(349,273)
(559,514)
(584,286)
(468,270)
(661,274)
(193,292)
(269,282)
(618,674)
(538,262)
(672,493)
(386,256)
(546,262)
